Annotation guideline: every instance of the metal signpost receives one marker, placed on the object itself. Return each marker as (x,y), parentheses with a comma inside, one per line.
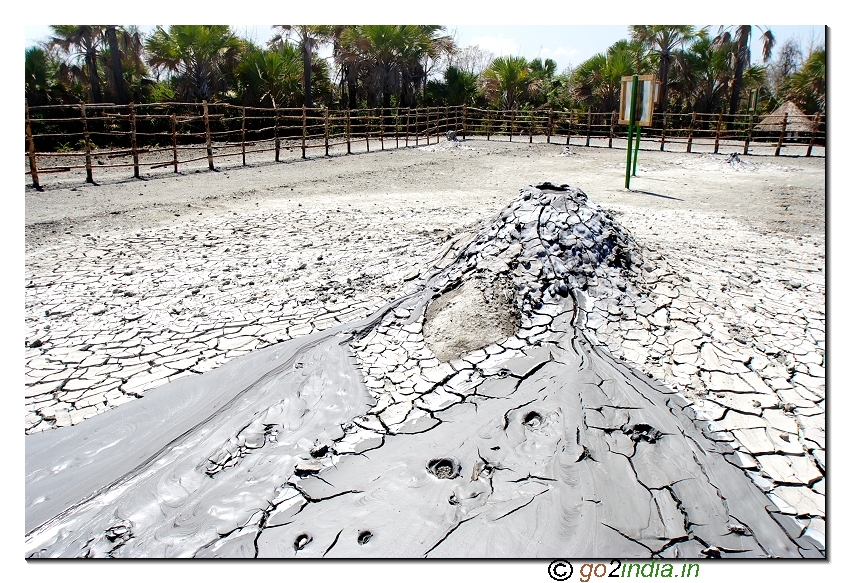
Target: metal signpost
(636,103)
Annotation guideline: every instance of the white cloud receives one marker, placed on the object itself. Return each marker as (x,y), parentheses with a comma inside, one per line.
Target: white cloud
(547,53)
(500,45)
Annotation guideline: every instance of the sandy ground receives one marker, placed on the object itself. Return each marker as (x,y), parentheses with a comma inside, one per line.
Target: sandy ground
(782,193)
(134,283)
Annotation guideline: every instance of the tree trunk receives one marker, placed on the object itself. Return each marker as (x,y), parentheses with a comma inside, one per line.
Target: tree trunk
(94,82)
(741,61)
(663,73)
(307,54)
(352,88)
(115,62)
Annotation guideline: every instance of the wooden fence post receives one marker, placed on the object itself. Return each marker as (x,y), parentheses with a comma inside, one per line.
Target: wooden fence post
(511,129)
(463,122)
(589,125)
(663,131)
(437,125)
(89,178)
(717,134)
(327,129)
(488,125)
(569,127)
(416,129)
(381,127)
(782,134)
(174,141)
(133,144)
(749,133)
(549,127)
(348,131)
(208,135)
(427,124)
(243,135)
(530,126)
(303,132)
(368,123)
(691,130)
(814,133)
(456,125)
(276,135)
(407,128)
(31,150)
(611,133)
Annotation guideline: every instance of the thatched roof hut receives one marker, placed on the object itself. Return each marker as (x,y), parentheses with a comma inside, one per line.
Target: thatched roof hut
(797,120)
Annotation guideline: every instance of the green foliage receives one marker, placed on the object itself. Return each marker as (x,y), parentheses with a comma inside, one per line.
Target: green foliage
(200,56)
(390,60)
(807,87)
(162,92)
(508,81)
(394,66)
(706,74)
(596,82)
(457,88)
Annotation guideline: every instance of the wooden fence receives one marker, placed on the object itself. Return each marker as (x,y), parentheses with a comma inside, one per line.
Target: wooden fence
(166,135)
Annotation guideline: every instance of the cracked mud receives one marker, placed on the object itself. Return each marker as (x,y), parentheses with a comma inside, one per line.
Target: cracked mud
(606,420)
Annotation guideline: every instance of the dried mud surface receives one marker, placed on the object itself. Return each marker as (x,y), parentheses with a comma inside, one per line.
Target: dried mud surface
(689,300)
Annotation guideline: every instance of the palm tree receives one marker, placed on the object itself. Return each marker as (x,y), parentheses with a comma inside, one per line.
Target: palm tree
(807,87)
(41,72)
(115,62)
(457,88)
(509,79)
(392,60)
(739,38)
(461,87)
(309,38)
(125,63)
(200,55)
(706,73)
(81,40)
(662,40)
(544,70)
(597,80)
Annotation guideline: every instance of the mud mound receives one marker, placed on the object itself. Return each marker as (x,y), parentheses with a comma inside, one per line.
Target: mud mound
(552,242)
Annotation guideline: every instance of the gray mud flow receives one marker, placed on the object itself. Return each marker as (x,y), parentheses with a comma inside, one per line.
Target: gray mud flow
(394,437)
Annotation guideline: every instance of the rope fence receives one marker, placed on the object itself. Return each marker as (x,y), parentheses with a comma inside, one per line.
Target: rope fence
(145,137)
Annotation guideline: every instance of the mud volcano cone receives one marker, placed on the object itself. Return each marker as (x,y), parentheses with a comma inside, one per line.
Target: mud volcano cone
(474,417)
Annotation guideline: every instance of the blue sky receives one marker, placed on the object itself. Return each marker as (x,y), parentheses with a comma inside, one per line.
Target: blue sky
(566,44)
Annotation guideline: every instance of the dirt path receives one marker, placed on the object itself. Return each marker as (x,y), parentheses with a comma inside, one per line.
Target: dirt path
(784,194)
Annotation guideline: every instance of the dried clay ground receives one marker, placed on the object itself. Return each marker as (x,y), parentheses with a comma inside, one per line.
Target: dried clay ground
(133,283)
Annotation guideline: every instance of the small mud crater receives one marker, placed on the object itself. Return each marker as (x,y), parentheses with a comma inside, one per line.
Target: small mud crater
(301,541)
(643,432)
(532,419)
(444,468)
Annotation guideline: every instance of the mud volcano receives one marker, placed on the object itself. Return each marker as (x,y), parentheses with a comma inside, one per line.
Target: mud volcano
(471,418)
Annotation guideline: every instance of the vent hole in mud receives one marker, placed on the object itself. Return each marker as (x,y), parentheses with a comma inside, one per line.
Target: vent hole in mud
(643,432)
(444,468)
(363,537)
(532,419)
(301,541)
